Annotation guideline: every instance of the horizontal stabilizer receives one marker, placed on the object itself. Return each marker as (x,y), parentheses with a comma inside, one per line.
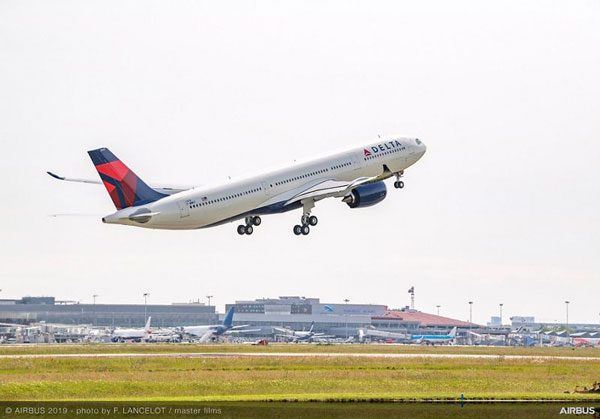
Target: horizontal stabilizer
(167,190)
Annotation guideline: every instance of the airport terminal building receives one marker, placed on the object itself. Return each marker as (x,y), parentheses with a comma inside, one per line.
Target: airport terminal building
(293,312)
(337,319)
(36,309)
(298,313)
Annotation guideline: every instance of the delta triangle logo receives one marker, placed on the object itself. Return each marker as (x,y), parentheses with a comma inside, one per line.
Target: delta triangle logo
(366,152)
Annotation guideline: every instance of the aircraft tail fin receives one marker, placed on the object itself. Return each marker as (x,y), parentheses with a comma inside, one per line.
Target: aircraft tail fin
(147,326)
(228,320)
(312,326)
(125,188)
(452,332)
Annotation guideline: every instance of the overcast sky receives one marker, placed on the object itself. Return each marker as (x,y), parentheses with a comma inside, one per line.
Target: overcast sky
(503,208)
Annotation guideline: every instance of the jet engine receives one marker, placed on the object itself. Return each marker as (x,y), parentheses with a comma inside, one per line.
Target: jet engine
(366,195)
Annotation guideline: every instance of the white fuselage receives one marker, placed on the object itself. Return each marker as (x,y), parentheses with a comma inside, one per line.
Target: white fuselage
(199,330)
(268,192)
(129,333)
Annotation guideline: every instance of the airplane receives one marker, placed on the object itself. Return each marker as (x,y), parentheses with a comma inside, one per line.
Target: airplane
(487,338)
(355,175)
(163,335)
(212,332)
(298,336)
(376,334)
(433,339)
(136,335)
(588,342)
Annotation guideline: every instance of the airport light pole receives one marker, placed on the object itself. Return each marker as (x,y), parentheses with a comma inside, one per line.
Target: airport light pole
(567,306)
(470,313)
(438,309)
(346,312)
(145,302)
(208,297)
(501,304)
(94,297)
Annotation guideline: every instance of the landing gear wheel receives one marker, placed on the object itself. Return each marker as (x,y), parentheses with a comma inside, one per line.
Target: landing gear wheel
(312,220)
(305,230)
(297,230)
(256,220)
(398,184)
(241,230)
(249,230)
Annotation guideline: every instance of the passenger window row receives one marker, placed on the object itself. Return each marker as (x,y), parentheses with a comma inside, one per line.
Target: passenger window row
(339,166)
(304,176)
(225,198)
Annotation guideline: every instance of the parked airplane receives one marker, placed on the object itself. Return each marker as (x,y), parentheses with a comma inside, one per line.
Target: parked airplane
(137,335)
(588,342)
(433,339)
(212,332)
(298,336)
(356,176)
(163,335)
(375,334)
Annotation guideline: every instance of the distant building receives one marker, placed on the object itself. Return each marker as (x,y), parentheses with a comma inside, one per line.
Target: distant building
(338,319)
(528,324)
(427,321)
(495,321)
(47,309)
(295,312)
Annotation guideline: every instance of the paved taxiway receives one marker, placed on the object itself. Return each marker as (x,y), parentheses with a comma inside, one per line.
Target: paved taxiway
(301,355)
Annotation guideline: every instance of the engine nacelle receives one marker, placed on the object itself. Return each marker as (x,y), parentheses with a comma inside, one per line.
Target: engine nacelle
(366,195)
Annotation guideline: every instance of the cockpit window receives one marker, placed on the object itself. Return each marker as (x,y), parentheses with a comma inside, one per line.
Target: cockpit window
(418,141)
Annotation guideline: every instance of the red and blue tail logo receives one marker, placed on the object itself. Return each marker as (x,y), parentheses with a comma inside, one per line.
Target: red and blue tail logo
(125,188)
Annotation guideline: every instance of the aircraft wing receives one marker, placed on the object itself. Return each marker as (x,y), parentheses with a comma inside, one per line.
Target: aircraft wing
(282,330)
(229,332)
(329,188)
(168,190)
(241,326)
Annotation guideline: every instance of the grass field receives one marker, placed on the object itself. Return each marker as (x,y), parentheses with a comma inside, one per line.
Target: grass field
(304,348)
(298,378)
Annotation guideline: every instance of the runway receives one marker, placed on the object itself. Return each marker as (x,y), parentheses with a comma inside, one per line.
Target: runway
(300,355)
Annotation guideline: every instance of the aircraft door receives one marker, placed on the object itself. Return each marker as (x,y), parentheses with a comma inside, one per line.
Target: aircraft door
(184,208)
(358,161)
(266,188)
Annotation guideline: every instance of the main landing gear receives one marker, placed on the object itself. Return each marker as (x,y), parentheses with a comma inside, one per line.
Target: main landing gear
(248,229)
(398,184)
(307,220)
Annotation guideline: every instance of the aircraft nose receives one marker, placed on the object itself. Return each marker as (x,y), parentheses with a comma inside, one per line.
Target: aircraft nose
(421,146)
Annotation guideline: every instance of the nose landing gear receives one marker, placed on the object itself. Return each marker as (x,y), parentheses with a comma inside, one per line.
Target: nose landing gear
(398,184)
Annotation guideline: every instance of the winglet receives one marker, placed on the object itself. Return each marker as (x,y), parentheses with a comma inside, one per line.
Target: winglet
(55,176)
